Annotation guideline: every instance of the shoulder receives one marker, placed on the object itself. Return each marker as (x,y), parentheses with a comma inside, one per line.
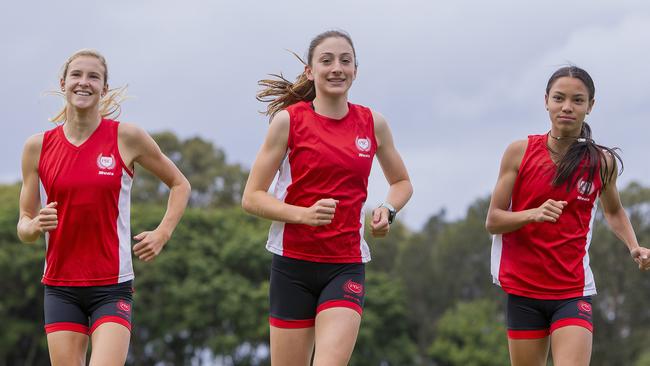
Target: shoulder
(279,126)
(280,120)
(297,107)
(517,147)
(34,143)
(130,133)
(514,153)
(32,150)
(378,119)
(608,158)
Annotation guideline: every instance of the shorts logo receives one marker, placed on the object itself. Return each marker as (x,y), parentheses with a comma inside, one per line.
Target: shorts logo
(363,144)
(353,287)
(124,306)
(584,306)
(585,188)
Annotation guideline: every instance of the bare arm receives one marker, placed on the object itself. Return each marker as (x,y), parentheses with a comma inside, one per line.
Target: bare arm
(500,219)
(619,222)
(33,220)
(137,146)
(257,201)
(400,190)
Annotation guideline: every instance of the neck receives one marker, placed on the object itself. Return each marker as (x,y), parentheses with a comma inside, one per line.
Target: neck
(560,144)
(335,108)
(80,124)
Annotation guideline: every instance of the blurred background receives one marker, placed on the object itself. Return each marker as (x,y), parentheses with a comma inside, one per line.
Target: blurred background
(456,81)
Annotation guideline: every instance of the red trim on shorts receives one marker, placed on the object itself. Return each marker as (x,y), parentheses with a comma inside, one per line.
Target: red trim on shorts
(528,334)
(291,324)
(572,321)
(110,319)
(68,326)
(339,304)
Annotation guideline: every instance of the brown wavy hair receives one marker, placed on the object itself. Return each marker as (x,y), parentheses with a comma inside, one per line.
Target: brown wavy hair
(584,148)
(109,104)
(281,93)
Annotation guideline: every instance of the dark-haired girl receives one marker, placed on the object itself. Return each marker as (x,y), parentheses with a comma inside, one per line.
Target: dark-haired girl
(542,214)
(323,147)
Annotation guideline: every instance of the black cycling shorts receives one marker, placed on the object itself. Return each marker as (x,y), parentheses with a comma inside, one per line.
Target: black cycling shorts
(529,318)
(83,309)
(301,289)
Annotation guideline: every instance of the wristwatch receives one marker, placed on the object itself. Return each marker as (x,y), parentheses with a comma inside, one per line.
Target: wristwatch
(391,211)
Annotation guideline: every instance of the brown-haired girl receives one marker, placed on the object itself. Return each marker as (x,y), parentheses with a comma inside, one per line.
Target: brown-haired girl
(323,147)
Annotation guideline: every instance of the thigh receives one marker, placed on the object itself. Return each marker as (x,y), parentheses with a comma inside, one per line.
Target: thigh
(110,344)
(336,334)
(527,318)
(293,294)
(291,346)
(528,352)
(528,330)
(64,310)
(110,304)
(67,348)
(571,332)
(573,312)
(571,346)
(340,306)
(344,287)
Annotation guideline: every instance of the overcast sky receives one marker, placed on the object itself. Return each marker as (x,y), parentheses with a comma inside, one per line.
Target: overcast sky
(457,80)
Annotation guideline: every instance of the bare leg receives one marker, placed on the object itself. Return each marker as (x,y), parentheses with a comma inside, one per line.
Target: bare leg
(336,334)
(110,345)
(291,347)
(528,352)
(67,348)
(571,346)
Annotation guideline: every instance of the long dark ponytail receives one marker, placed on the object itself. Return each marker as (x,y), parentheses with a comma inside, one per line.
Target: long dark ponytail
(584,155)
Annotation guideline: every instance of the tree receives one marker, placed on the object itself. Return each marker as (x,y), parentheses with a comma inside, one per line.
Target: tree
(207,291)
(471,334)
(21,309)
(215,183)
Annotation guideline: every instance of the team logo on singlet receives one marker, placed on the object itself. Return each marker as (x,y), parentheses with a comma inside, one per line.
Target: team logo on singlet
(585,188)
(105,163)
(584,307)
(363,144)
(353,287)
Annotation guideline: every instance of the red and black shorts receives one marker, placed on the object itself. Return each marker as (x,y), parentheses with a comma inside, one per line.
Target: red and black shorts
(301,289)
(529,318)
(83,309)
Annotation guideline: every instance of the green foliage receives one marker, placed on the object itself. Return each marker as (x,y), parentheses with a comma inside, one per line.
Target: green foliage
(214,181)
(644,360)
(471,334)
(21,307)
(208,290)
(383,337)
